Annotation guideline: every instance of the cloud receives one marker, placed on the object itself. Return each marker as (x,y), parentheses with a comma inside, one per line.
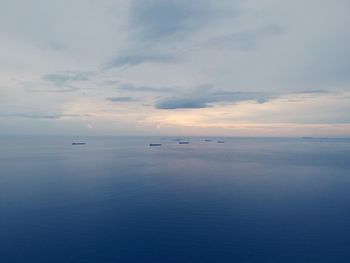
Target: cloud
(153,24)
(181,103)
(157,20)
(56,46)
(206,95)
(61,89)
(241,40)
(37,115)
(132,88)
(121,99)
(313,91)
(138,57)
(203,96)
(110,82)
(245,39)
(62,79)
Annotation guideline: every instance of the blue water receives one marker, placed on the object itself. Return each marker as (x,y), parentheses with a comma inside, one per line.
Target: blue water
(119,200)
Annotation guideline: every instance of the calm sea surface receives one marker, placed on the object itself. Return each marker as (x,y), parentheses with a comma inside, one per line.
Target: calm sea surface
(119,200)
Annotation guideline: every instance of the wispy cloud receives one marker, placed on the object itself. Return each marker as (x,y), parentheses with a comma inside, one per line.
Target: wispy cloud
(155,23)
(121,99)
(133,58)
(158,20)
(245,39)
(204,96)
(110,82)
(60,89)
(63,79)
(133,88)
(48,116)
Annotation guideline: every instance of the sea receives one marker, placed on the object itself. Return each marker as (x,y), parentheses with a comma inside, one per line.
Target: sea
(117,199)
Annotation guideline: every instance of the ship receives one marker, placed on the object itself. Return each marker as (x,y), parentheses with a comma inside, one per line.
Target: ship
(155,144)
(78,143)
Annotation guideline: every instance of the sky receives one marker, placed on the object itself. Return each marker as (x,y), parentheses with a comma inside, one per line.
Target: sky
(175,67)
